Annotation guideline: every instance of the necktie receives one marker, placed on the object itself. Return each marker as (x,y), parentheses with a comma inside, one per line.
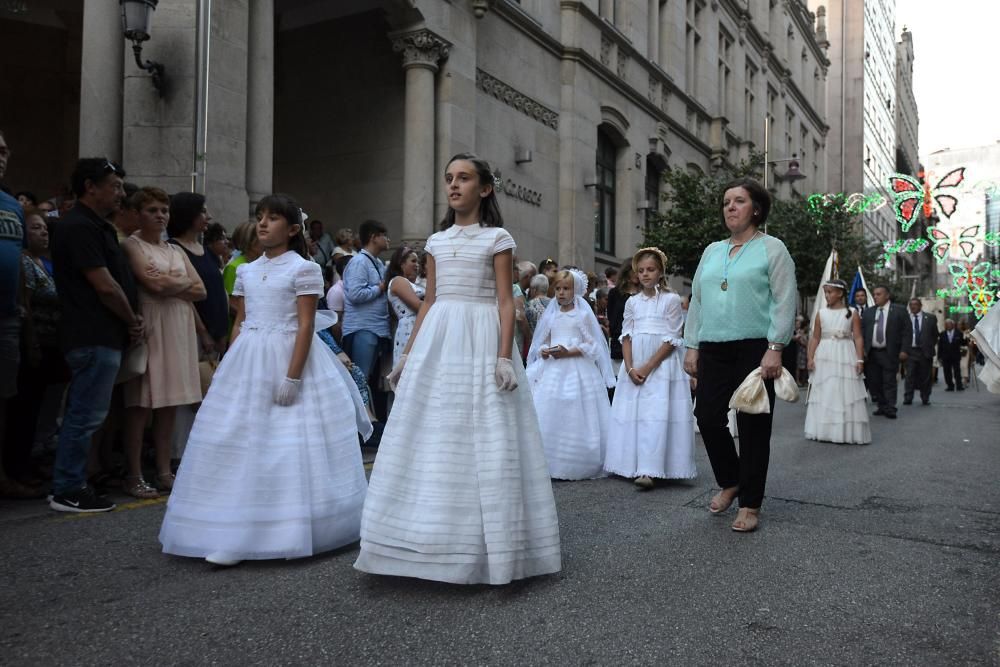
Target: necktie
(880,328)
(916,330)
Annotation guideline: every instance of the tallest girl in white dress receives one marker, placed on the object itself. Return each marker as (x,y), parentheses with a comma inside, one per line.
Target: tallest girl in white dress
(460,491)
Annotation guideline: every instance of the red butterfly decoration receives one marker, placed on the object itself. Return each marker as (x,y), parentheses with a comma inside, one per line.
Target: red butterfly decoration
(909,193)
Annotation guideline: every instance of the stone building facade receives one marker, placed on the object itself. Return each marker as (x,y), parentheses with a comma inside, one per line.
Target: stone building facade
(355,107)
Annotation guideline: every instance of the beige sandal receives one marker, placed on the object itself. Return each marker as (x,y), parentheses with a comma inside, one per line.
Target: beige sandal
(165,482)
(138,488)
(717,505)
(644,482)
(747,520)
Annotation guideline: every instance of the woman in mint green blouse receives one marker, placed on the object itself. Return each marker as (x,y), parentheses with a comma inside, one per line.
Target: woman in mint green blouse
(741,316)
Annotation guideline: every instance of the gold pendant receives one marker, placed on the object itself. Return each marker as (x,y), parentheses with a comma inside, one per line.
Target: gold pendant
(724,285)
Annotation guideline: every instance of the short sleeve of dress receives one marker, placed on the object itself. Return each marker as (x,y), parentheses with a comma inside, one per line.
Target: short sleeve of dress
(238,283)
(308,279)
(503,241)
(429,247)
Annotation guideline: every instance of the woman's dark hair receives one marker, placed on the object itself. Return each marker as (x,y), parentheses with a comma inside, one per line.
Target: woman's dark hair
(215,232)
(341,263)
(370,228)
(489,209)
(184,208)
(287,208)
(27,195)
(546,263)
(624,282)
(396,263)
(759,197)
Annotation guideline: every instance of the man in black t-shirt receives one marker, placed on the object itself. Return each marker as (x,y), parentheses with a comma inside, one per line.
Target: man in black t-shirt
(98,321)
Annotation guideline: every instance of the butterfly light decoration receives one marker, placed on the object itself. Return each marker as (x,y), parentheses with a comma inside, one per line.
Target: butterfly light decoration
(909,195)
(957,243)
(968,276)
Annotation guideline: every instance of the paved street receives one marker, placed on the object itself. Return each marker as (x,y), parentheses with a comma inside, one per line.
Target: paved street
(885,554)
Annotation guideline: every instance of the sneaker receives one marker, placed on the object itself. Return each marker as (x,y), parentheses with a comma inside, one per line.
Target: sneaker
(81,501)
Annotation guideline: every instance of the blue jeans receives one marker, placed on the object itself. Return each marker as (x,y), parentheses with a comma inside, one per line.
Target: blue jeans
(87,401)
(363,348)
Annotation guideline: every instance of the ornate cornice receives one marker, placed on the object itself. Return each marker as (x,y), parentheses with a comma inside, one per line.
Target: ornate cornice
(421,48)
(496,88)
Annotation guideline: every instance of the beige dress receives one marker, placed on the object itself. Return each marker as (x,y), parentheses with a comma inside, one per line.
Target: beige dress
(171,377)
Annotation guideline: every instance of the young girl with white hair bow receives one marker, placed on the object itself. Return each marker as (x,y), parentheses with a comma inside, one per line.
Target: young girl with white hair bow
(569,366)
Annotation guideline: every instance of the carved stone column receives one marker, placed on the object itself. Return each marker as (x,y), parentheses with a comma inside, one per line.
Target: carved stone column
(101,84)
(260,100)
(422,51)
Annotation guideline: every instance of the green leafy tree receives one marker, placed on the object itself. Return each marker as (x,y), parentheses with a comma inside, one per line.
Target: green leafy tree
(811,228)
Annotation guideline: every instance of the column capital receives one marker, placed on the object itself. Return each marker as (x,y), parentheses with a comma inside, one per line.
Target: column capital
(420,48)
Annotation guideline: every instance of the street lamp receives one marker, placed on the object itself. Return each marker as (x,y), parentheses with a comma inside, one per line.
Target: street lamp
(136,17)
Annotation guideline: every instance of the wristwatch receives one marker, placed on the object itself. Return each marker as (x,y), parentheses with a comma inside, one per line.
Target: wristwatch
(776,347)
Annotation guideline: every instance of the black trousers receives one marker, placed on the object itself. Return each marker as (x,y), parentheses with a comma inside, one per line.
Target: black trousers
(881,369)
(918,376)
(722,367)
(952,372)
(23,409)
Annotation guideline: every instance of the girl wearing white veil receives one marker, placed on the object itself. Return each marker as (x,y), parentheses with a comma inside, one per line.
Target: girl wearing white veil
(569,366)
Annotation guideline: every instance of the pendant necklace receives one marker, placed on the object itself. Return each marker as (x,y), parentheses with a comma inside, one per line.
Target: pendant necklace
(724,286)
(461,230)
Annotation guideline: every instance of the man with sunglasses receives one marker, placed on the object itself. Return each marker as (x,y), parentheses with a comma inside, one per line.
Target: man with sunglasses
(98,321)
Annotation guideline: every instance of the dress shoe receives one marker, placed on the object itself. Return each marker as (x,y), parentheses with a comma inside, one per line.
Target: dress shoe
(926,401)
(907,402)
(878,413)
(950,389)
(961,388)
(890,415)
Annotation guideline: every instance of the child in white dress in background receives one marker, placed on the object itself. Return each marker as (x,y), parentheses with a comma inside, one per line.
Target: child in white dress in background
(272,468)
(460,491)
(652,426)
(569,366)
(837,408)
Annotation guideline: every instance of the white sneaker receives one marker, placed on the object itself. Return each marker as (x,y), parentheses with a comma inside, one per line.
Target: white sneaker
(221,558)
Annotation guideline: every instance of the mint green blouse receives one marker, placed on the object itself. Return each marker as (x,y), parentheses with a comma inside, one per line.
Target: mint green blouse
(759,301)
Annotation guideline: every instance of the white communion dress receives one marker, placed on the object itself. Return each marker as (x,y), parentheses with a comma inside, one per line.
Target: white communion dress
(837,409)
(460,490)
(259,480)
(571,394)
(652,426)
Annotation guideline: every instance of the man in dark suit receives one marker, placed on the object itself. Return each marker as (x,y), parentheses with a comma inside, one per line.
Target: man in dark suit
(860,302)
(919,347)
(949,354)
(886,330)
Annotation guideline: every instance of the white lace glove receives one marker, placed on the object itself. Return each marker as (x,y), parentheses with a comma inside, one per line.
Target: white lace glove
(397,372)
(504,375)
(287,391)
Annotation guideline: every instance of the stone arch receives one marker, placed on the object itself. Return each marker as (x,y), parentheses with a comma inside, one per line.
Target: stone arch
(616,124)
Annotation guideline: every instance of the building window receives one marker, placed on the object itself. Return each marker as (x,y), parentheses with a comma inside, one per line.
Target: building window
(725,70)
(789,122)
(604,230)
(692,46)
(749,107)
(653,177)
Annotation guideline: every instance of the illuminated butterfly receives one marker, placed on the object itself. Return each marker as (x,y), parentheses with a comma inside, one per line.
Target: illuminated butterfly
(945,244)
(967,276)
(909,193)
(982,299)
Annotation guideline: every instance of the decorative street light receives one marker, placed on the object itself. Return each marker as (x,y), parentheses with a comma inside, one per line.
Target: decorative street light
(136,17)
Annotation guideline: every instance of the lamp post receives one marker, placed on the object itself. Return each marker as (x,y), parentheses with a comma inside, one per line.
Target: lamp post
(793,174)
(136,17)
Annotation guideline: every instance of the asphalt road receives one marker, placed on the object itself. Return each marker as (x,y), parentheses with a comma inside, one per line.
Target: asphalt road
(880,554)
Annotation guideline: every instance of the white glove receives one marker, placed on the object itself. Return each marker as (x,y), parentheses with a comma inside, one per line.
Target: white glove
(287,391)
(504,375)
(397,372)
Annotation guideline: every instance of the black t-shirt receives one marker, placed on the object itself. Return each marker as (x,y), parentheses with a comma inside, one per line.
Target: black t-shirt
(83,240)
(214,308)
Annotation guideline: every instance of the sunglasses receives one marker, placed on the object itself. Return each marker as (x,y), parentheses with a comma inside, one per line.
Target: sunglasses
(110,167)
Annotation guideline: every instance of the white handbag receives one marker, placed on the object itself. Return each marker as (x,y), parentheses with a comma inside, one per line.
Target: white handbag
(751,395)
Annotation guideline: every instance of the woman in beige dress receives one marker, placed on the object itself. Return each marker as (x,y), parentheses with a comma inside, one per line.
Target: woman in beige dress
(168,283)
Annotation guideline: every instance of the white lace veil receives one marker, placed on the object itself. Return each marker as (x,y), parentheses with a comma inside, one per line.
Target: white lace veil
(594,346)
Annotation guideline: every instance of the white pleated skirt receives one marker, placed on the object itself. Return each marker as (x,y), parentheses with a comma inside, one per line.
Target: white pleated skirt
(573,409)
(837,408)
(652,425)
(258,480)
(460,490)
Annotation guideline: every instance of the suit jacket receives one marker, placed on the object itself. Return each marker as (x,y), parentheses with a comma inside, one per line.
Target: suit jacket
(898,331)
(950,351)
(928,338)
